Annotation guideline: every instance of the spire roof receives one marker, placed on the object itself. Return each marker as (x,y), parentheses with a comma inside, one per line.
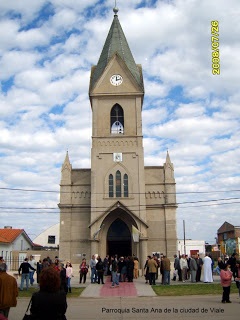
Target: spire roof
(116,43)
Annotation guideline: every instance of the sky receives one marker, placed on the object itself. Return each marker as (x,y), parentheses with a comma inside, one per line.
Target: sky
(47,49)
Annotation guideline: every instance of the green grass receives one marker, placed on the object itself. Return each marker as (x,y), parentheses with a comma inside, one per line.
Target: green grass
(160,290)
(191,289)
(27,294)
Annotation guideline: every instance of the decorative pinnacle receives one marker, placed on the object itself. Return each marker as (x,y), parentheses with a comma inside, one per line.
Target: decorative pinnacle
(115,9)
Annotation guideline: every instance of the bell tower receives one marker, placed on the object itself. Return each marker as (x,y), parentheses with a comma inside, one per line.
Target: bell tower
(117,159)
(118,206)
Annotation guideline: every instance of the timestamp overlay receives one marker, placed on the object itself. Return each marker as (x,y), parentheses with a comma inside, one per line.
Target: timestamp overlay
(215,47)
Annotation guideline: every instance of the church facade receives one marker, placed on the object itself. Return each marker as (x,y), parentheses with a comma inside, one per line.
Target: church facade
(118,206)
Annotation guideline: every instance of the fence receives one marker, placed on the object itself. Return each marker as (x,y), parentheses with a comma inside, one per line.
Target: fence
(14,260)
(13,263)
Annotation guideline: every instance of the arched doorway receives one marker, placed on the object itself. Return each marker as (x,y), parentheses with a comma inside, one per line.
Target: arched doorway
(119,239)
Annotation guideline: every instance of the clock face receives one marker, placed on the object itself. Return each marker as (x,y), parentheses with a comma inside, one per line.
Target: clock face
(117,157)
(116,79)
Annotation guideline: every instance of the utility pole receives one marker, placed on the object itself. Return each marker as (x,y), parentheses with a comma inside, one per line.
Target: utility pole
(184,238)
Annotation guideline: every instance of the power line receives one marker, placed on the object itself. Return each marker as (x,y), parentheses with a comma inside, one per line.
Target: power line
(181,192)
(132,206)
(209,205)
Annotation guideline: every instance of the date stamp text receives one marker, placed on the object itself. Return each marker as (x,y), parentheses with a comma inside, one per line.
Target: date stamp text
(215,47)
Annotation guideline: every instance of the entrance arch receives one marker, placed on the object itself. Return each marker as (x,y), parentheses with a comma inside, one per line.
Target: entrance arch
(119,239)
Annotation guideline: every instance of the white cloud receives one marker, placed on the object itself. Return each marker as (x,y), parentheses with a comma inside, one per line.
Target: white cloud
(16,61)
(47,49)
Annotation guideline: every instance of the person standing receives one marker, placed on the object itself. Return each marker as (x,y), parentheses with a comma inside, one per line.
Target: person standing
(69,275)
(237,279)
(32,263)
(220,265)
(207,269)
(100,270)
(121,264)
(188,268)
(106,264)
(93,263)
(166,265)
(135,260)
(184,267)
(130,268)
(199,268)
(158,266)
(146,268)
(177,268)
(232,261)
(63,278)
(83,270)
(152,265)
(39,269)
(8,291)
(49,302)
(193,268)
(114,267)
(25,267)
(226,280)
(123,274)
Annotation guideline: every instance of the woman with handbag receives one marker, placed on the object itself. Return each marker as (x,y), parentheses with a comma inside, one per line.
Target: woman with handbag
(49,303)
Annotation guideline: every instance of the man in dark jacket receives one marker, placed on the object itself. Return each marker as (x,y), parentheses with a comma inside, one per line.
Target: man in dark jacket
(25,266)
(177,268)
(199,268)
(232,261)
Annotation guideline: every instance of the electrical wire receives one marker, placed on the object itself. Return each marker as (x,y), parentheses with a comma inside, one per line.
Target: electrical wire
(181,192)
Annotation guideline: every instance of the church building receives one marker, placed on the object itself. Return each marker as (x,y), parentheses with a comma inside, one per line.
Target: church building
(118,206)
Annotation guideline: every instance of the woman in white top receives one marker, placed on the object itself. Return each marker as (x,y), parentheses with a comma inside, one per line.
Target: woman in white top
(69,275)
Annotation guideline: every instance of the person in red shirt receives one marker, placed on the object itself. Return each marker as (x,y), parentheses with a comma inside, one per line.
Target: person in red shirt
(226,280)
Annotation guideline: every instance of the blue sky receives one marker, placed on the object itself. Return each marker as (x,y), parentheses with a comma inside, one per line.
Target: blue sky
(46,51)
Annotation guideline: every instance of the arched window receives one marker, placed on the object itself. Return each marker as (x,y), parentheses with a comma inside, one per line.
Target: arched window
(125,185)
(118,184)
(117,120)
(110,192)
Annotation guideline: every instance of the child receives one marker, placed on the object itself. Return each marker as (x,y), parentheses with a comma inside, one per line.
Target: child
(226,280)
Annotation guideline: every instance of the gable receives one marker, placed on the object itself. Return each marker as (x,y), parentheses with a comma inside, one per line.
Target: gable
(226,227)
(129,85)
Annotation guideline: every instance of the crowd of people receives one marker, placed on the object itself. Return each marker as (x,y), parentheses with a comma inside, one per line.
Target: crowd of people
(29,266)
(121,269)
(54,282)
(191,268)
(54,278)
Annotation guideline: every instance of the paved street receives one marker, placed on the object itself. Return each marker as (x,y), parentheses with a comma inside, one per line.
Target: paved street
(118,306)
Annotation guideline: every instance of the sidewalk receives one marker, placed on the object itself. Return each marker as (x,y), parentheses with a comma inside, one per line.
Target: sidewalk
(137,288)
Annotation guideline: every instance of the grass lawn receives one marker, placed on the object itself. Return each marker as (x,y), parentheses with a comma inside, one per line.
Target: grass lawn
(27,294)
(191,289)
(160,290)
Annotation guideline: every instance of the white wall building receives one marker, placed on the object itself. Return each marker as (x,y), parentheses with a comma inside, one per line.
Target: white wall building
(191,247)
(49,237)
